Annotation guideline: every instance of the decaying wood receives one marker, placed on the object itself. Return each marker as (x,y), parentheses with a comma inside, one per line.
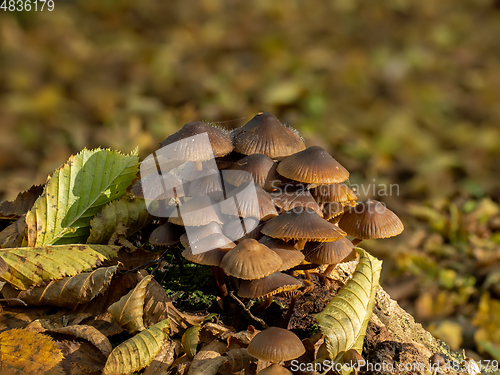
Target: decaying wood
(393,336)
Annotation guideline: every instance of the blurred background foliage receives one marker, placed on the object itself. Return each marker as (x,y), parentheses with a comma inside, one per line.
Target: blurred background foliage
(400,92)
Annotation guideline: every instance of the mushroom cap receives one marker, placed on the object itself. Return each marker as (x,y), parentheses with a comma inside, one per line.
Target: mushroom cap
(332,210)
(275,345)
(287,200)
(193,149)
(290,258)
(333,193)
(313,166)
(196,212)
(256,166)
(302,224)
(265,134)
(157,186)
(165,235)
(328,252)
(275,369)
(238,229)
(249,200)
(275,283)
(276,244)
(219,244)
(198,233)
(370,220)
(250,260)
(210,185)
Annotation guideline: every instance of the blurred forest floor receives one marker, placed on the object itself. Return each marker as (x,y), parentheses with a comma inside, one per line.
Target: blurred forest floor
(399,92)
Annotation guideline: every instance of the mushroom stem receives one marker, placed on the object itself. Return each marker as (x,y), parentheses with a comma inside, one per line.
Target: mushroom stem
(221,284)
(264,305)
(289,312)
(356,241)
(300,244)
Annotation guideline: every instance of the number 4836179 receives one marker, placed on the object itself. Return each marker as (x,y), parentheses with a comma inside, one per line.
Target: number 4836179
(27,5)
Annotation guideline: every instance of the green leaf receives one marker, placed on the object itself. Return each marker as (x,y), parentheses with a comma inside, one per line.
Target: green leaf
(137,352)
(345,318)
(129,211)
(74,194)
(30,266)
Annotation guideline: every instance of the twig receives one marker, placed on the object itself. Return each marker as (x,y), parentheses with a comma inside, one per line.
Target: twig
(264,324)
(18,300)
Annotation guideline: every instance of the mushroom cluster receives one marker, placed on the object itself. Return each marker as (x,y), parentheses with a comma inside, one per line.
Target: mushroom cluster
(256,204)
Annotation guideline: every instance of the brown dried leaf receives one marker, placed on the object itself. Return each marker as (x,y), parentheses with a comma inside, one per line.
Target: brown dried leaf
(28,352)
(80,357)
(12,210)
(128,311)
(180,321)
(241,338)
(88,333)
(68,292)
(156,304)
(237,360)
(13,235)
(208,360)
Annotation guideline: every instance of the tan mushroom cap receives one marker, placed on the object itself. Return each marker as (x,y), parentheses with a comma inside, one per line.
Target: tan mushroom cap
(210,185)
(275,345)
(290,258)
(158,187)
(333,193)
(328,252)
(287,200)
(302,224)
(198,233)
(196,212)
(220,245)
(275,283)
(313,166)
(250,260)
(186,149)
(165,235)
(370,220)
(238,229)
(265,134)
(242,201)
(332,210)
(256,167)
(276,244)
(275,369)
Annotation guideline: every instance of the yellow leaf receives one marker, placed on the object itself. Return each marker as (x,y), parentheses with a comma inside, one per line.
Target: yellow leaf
(28,352)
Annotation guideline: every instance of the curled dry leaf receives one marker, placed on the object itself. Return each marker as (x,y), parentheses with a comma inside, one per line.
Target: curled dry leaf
(156,304)
(237,360)
(88,333)
(24,351)
(80,357)
(345,318)
(181,320)
(68,292)
(137,352)
(128,311)
(76,192)
(208,360)
(30,266)
(128,211)
(12,210)
(13,235)
(191,339)
(241,338)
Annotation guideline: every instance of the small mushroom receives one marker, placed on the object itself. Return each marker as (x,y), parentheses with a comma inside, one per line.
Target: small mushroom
(313,166)
(238,229)
(250,260)
(370,220)
(302,225)
(186,148)
(165,235)
(196,212)
(210,185)
(257,167)
(276,345)
(288,200)
(249,200)
(333,193)
(198,233)
(265,134)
